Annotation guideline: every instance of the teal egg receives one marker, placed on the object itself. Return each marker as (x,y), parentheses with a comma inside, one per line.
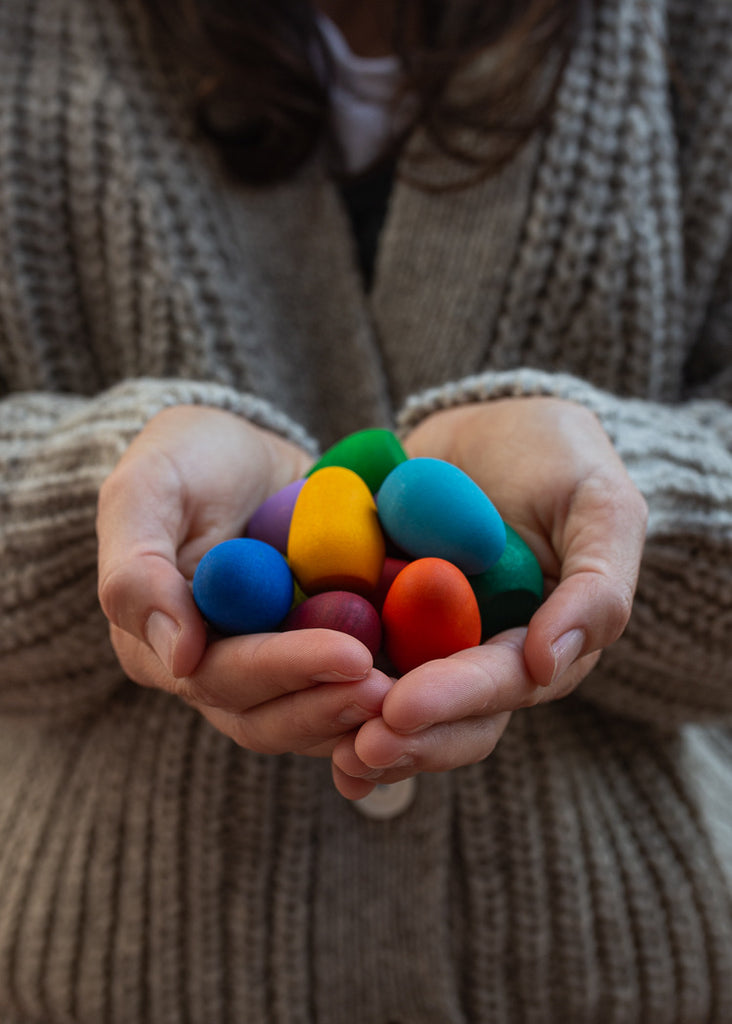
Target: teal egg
(430,508)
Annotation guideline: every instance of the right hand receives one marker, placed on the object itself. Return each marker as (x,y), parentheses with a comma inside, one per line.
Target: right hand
(189,480)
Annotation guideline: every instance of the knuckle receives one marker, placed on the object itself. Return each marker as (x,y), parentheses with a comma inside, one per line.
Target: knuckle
(199,692)
(618,607)
(128,591)
(113,489)
(602,494)
(107,489)
(247,738)
(238,727)
(135,661)
(112,590)
(529,698)
(303,729)
(640,509)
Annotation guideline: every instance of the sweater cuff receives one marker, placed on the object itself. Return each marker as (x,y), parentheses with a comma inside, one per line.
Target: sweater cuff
(489,386)
(133,403)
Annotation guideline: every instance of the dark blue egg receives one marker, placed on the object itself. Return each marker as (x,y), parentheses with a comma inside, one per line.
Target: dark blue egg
(243,586)
(432,509)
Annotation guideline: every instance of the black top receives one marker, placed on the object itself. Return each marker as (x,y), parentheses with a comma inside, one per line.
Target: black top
(366,198)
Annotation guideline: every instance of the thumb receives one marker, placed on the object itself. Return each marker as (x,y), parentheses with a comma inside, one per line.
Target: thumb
(140,587)
(147,597)
(603,536)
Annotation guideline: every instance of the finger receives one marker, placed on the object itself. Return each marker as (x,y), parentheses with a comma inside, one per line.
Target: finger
(148,599)
(274,714)
(305,722)
(238,673)
(349,787)
(477,682)
(380,755)
(601,545)
(480,681)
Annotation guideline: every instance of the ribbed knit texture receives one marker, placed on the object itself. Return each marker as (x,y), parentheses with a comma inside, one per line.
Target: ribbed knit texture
(150,871)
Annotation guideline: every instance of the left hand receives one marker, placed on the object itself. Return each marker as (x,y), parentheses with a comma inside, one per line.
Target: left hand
(190,479)
(552,472)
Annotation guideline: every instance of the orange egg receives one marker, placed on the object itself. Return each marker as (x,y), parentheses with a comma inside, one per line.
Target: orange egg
(430,612)
(335,540)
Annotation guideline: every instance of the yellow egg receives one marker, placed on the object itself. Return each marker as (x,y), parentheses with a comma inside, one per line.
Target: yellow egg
(335,540)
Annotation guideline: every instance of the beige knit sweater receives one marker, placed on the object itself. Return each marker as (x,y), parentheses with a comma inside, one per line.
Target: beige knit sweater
(151,872)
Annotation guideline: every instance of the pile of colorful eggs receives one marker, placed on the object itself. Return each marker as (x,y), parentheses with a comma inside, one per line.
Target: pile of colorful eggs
(408,555)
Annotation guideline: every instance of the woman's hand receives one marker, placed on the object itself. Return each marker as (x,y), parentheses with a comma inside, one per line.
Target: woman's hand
(553,474)
(191,479)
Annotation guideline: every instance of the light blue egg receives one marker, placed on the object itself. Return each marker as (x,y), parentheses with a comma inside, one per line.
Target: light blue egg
(243,586)
(430,508)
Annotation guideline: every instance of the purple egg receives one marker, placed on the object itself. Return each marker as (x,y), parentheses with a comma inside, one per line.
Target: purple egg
(271,521)
(340,610)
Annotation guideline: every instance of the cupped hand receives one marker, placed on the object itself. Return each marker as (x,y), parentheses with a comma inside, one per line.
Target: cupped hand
(189,480)
(552,472)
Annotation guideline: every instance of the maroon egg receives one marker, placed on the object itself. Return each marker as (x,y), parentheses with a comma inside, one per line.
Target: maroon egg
(392,568)
(340,610)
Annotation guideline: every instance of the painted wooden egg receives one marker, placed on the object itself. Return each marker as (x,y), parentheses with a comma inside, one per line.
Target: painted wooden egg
(510,591)
(271,521)
(392,568)
(430,612)
(430,508)
(335,541)
(243,586)
(341,610)
(372,454)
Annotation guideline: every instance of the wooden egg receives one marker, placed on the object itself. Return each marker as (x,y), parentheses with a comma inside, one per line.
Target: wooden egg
(335,542)
(271,521)
(509,592)
(372,454)
(392,568)
(430,612)
(243,586)
(340,610)
(430,508)
(298,594)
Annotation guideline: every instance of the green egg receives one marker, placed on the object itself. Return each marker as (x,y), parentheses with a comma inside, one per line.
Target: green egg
(511,590)
(371,453)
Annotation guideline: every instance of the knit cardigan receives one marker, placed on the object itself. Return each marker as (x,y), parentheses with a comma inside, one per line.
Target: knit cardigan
(152,872)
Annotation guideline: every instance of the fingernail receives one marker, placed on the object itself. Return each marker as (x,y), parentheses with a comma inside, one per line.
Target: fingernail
(352,714)
(161,633)
(371,774)
(415,729)
(331,676)
(405,761)
(566,650)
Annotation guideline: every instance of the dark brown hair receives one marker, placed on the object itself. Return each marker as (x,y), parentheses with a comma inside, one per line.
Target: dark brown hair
(256,91)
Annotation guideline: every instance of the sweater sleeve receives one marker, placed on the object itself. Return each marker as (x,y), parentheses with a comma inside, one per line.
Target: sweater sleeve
(55,451)
(674,661)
